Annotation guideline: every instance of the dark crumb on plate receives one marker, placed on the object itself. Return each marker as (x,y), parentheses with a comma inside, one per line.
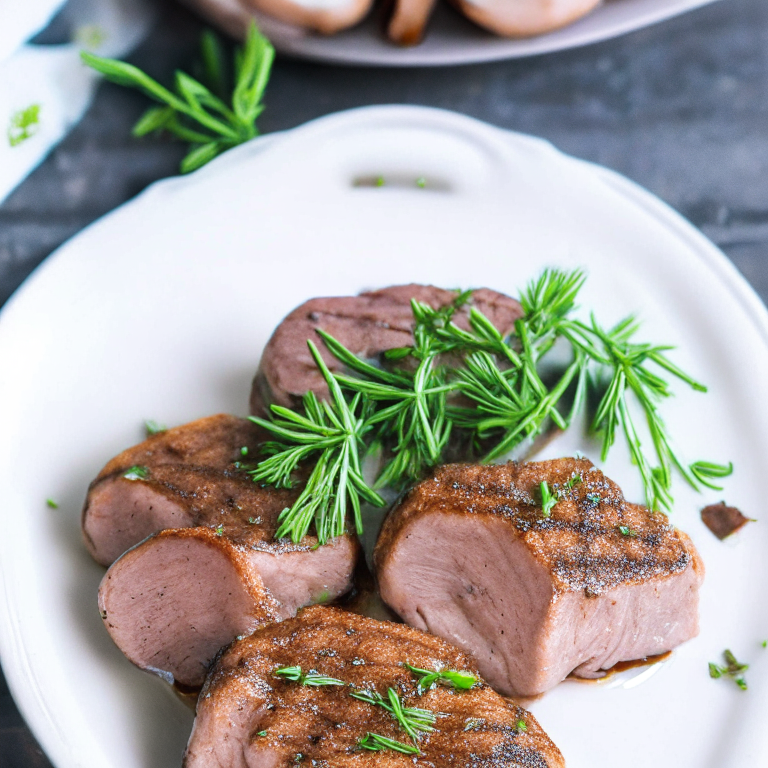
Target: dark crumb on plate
(723,520)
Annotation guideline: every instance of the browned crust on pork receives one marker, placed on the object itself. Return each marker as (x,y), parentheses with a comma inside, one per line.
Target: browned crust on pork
(580,543)
(196,472)
(242,698)
(368,325)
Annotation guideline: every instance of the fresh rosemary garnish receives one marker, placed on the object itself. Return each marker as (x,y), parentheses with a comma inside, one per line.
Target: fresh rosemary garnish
(733,669)
(136,473)
(376,743)
(404,405)
(333,430)
(428,678)
(548,500)
(196,113)
(312,679)
(412,720)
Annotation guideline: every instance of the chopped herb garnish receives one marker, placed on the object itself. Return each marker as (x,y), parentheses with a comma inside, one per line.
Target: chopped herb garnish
(136,473)
(574,480)
(379,181)
(52,504)
(548,501)
(219,530)
(627,531)
(261,733)
(421,182)
(765,643)
(733,669)
(407,410)
(24,124)
(376,743)
(312,679)
(521,725)
(153,428)
(244,450)
(412,720)
(429,678)
(197,113)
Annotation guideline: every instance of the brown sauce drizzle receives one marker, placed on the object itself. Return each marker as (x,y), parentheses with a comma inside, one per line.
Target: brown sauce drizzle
(623,666)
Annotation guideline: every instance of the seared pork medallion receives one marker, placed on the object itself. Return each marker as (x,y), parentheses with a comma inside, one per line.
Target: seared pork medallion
(367,325)
(538,570)
(211,568)
(332,689)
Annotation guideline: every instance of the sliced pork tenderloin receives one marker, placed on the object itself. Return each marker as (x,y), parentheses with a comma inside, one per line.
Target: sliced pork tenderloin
(470,556)
(368,325)
(172,602)
(184,477)
(247,716)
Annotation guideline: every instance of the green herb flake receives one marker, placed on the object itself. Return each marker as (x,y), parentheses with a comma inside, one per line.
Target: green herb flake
(24,125)
(136,473)
(428,678)
(421,182)
(376,743)
(521,726)
(413,720)
(379,181)
(732,669)
(593,498)
(548,499)
(244,450)
(219,530)
(765,643)
(627,531)
(311,679)
(261,733)
(52,504)
(151,427)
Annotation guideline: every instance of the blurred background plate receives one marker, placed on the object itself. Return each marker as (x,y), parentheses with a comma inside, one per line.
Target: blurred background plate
(450,38)
(161,309)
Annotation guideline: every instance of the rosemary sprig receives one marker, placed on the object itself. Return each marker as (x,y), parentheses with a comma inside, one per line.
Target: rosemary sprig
(405,405)
(374,742)
(413,720)
(312,679)
(333,430)
(428,678)
(194,113)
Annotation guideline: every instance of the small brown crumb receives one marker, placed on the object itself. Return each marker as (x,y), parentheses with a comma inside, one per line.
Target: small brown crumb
(723,520)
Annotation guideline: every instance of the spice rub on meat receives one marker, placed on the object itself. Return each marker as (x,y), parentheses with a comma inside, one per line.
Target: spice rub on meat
(367,325)
(202,564)
(247,716)
(470,556)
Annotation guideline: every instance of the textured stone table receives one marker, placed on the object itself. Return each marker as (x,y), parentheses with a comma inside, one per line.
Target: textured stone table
(681,108)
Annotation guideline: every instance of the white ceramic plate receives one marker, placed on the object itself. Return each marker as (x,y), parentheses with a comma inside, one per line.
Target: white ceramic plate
(160,311)
(450,38)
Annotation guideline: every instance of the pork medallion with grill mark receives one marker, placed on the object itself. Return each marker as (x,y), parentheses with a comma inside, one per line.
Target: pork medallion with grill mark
(284,697)
(534,595)
(368,325)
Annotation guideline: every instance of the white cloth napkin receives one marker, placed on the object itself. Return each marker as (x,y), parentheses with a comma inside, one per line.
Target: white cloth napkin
(47,85)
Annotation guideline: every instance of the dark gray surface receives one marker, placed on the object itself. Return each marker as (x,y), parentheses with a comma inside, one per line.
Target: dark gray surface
(681,108)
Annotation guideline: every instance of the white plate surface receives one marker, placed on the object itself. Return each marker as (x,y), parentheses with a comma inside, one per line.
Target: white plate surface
(451,39)
(160,310)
